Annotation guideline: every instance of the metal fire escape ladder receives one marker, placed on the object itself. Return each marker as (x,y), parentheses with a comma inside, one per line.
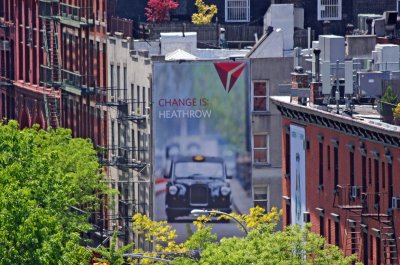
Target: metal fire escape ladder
(388,234)
(52,109)
(374,204)
(57,63)
(349,198)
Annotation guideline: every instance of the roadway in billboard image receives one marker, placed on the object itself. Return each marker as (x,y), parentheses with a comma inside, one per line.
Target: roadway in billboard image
(201,141)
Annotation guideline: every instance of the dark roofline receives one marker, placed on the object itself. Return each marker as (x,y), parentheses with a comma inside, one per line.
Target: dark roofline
(346,125)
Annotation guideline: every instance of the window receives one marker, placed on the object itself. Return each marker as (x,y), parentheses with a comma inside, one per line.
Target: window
(369,171)
(118,81)
(337,233)
(261,197)
(376,180)
(328,151)
(261,96)
(287,152)
(321,164)
(364,173)
(383,175)
(133,144)
(336,166)
(351,168)
(112,81)
(125,88)
(131,97)
(137,98)
(329,9)
(237,10)
(322,225)
(143,100)
(112,137)
(261,148)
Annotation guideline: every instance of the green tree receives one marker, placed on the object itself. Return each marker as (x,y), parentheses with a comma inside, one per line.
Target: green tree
(112,255)
(262,245)
(389,96)
(42,175)
(205,13)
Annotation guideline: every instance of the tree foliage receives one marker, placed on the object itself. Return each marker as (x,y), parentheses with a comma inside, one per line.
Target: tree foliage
(157,11)
(112,255)
(262,245)
(204,14)
(43,174)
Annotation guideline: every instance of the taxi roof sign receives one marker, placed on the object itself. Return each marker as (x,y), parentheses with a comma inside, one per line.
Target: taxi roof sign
(199,158)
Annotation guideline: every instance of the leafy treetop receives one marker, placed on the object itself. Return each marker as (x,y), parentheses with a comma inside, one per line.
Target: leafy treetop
(262,245)
(42,174)
(157,11)
(389,96)
(205,13)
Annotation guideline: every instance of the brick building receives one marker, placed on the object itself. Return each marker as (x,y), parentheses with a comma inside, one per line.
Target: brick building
(53,65)
(341,174)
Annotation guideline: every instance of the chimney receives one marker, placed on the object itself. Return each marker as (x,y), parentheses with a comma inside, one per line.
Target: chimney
(317,52)
(314,86)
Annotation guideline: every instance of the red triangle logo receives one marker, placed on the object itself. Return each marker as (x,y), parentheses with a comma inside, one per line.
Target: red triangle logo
(229,73)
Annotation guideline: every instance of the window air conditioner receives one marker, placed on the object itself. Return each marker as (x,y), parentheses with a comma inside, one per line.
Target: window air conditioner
(354,192)
(395,202)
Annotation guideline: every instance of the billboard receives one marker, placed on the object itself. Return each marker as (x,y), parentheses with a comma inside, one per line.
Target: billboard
(201,129)
(298,173)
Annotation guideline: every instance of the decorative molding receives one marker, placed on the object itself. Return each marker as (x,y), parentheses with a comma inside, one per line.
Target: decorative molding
(353,129)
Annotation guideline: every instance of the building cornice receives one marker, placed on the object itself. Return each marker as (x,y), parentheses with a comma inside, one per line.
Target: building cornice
(347,125)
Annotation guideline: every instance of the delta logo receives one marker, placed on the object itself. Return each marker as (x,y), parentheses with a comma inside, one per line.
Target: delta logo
(229,73)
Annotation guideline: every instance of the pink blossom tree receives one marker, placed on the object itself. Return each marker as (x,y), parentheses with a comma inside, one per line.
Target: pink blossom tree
(158,10)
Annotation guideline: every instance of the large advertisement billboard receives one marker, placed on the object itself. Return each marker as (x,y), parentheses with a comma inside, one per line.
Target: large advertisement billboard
(298,173)
(201,137)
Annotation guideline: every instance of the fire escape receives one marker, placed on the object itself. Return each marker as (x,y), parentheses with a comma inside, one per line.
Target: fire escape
(78,79)
(50,70)
(362,206)
(6,74)
(124,156)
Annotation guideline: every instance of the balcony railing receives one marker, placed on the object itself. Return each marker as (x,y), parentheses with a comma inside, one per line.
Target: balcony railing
(74,82)
(46,8)
(76,16)
(348,197)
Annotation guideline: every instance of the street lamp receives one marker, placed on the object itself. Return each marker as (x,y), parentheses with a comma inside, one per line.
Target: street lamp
(203,211)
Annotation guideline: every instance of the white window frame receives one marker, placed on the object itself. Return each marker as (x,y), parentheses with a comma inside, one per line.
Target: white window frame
(267,95)
(237,19)
(266,148)
(323,4)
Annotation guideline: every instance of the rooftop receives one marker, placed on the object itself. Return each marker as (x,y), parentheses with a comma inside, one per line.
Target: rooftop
(362,116)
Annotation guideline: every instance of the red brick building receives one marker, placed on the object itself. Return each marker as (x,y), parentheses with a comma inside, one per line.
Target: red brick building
(53,64)
(53,68)
(352,184)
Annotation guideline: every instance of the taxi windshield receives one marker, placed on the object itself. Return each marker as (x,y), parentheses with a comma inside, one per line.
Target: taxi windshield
(198,169)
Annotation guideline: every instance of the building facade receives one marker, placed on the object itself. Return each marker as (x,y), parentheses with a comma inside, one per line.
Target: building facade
(348,169)
(267,74)
(129,149)
(53,67)
(59,52)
